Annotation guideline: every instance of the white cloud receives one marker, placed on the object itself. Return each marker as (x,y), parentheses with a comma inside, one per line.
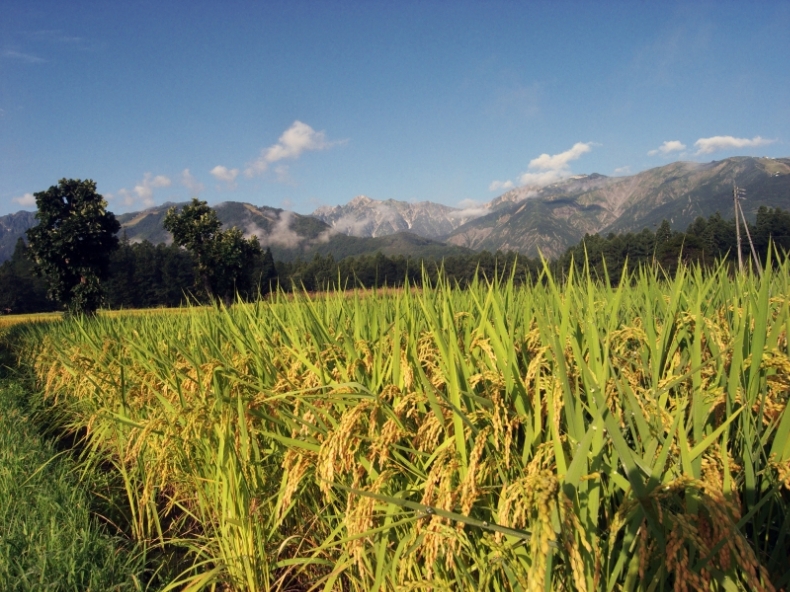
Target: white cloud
(355,225)
(667,147)
(193,185)
(469,209)
(143,191)
(225,174)
(27,200)
(23,57)
(623,170)
(364,222)
(544,178)
(294,141)
(281,233)
(145,188)
(546,169)
(469,203)
(716,143)
(325,236)
(560,161)
(553,168)
(500,185)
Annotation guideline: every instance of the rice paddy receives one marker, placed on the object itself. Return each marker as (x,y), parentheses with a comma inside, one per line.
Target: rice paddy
(558,436)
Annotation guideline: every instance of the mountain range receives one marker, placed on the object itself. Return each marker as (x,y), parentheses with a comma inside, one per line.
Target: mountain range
(555,217)
(363,216)
(530,220)
(12,226)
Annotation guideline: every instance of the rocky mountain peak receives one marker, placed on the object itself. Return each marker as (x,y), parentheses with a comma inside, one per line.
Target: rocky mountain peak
(366,217)
(360,200)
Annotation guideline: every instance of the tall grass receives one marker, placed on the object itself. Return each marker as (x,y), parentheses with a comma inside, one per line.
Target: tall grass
(49,538)
(572,436)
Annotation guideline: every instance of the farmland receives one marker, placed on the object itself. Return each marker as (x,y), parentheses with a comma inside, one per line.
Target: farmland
(562,435)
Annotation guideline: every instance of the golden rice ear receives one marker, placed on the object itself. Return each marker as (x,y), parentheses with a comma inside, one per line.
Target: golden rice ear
(633,432)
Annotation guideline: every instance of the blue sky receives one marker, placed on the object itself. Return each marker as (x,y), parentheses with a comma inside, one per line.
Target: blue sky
(300,104)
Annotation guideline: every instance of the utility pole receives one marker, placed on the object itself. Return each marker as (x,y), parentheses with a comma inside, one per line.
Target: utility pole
(739,194)
(737,225)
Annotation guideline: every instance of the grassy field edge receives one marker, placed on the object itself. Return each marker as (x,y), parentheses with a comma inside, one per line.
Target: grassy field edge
(51,538)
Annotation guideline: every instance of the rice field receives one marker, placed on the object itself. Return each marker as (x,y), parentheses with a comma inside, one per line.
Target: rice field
(8,321)
(569,436)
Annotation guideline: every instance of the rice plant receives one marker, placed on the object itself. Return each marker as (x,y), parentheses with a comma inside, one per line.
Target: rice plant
(571,435)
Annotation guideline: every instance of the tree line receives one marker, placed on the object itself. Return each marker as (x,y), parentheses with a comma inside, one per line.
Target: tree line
(705,241)
(74,260)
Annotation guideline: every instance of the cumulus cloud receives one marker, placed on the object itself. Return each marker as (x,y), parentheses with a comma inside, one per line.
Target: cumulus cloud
(667,147)
(296,140)
(553,168)
(500,185)
(193,185)
(544,178)
(716,143)
(226,175)
(145,188)
(143,191)
(26,200)
(560,161)
(546,168)
(623,170)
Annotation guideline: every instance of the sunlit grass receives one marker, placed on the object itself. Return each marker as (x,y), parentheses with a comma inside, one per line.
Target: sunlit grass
(7,321)
(49,537)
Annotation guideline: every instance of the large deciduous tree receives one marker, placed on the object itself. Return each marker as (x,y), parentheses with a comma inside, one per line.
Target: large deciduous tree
(224,258)
(72,243)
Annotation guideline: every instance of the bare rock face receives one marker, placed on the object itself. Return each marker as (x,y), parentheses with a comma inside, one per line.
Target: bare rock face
(367,217)
(12,227)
